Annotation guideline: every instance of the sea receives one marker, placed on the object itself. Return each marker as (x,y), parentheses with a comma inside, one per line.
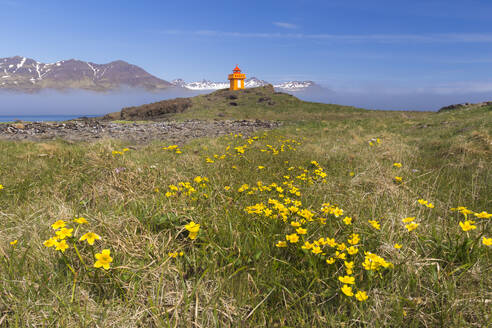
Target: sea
(40,118)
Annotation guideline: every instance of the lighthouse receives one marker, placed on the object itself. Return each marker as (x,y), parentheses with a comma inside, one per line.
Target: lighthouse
(237,79)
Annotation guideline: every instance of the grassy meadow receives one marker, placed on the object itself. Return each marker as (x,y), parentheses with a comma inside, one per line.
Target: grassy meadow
(295,227)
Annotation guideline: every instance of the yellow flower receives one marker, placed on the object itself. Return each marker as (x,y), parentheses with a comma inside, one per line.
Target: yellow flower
(307,245)
(295,224)
(64,232)
(90,237)
(227,188)
(244,187)
(337,212)
(398,179)
(13,242)
(397,246)
(409,219)
(331,242)
(281,243)
(175,254)
(354,239)
(340,255)
(349,266)
(397,164)
(293,238)
(374,262)
(50,242)
(80,221)
(61,246)
(361,296)
(467,225)
(487,241)
(347,290)
(301,231)
(316,250)
(126,149)
(411,226)
(115,152)
(352,250)
(426,203)
(375,224)
(58,224)
(260,167)
(331,260)
(352,174)
(192,227)
(347,220)
(103,259)
(341,247)
(1,187)
(483,215)
(347,280)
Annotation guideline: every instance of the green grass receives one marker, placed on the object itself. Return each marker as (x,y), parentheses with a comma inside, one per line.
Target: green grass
(232,275)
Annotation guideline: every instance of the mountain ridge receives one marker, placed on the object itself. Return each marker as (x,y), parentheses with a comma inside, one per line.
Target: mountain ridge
(28,75)
(251,82)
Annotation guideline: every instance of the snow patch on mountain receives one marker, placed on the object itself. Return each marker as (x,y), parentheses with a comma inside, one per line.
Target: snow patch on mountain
(252,82)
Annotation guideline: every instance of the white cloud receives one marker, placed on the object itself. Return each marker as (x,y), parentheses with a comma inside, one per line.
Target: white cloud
(285,25)
(381,38)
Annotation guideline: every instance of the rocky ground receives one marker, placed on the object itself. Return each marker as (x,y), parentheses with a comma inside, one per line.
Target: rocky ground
(89,130)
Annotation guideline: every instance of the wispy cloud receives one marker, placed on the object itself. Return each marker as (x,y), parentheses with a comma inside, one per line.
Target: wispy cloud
(381,38)
(285,25)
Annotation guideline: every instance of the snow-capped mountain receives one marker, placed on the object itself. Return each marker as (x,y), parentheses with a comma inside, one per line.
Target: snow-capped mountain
(252,82)
(26,74)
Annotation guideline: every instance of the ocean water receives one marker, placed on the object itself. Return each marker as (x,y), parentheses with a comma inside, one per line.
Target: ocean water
(40,118)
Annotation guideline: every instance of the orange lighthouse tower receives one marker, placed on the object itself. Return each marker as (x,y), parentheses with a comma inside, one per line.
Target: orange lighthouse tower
(237,79)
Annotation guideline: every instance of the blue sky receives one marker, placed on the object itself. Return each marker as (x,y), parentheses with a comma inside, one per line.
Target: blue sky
(358,46)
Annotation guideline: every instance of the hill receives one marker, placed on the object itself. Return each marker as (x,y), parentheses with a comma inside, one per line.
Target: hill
(28,75)
(253,103)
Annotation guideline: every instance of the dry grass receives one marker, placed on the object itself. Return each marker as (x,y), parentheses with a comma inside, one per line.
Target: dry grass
(233,275)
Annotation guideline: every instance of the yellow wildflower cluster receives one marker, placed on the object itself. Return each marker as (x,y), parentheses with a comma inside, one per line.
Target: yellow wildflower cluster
(199,184)
(175,254)
(173,148)
(118,152)
(469,225)
(425,203)
(339,249)
(66,237)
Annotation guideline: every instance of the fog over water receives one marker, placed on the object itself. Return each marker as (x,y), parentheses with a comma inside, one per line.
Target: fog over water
(81,103)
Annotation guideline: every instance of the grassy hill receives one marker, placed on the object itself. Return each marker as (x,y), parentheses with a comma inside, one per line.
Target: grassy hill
(254,103)
(274,247)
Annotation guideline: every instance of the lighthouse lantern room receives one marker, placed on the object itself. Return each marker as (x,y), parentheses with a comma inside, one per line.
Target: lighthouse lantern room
(237,79)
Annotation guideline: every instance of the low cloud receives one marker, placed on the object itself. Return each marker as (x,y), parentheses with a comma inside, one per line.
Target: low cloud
(285,25)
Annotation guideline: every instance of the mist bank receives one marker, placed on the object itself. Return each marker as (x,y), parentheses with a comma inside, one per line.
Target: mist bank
(79,102)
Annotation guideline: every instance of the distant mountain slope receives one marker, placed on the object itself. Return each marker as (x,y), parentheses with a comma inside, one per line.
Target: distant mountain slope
(252,82)
(28,75)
